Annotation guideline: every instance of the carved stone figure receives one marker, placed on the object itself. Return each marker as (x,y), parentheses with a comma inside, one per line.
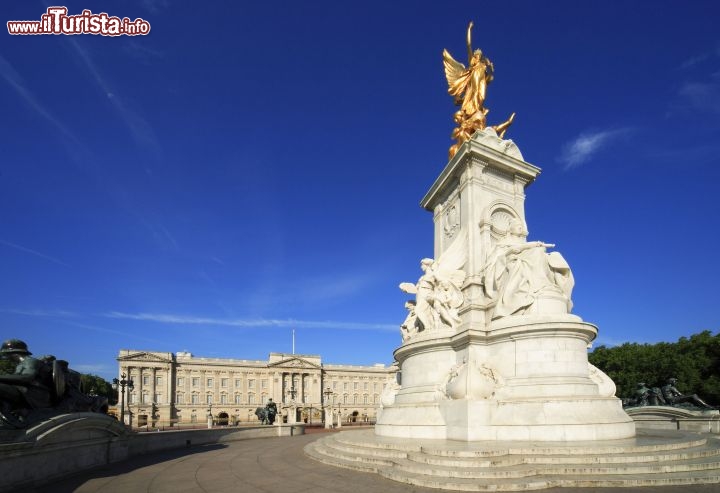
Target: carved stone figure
(468,86)
(470,381)
(387,397)
(518,274)
(606,387)
(411,325)
(437,296)
(40,388)
(674,397)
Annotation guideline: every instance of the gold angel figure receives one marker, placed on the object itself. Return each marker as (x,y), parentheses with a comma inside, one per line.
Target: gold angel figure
(468,87)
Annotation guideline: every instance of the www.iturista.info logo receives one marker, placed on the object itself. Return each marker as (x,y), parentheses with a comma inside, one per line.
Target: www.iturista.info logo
(57,21)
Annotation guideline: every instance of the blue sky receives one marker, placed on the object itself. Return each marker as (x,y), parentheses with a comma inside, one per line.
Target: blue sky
(246,170)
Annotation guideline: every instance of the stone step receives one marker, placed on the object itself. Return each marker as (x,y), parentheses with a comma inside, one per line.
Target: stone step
(658,459)
(524,484)
(483,450)
(540,470)
(369,451)
(324,455)
(644,457)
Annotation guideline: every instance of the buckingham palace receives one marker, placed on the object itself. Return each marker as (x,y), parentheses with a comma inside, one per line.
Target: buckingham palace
(177,389)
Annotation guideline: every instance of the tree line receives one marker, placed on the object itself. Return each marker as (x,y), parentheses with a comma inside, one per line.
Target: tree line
(694,361)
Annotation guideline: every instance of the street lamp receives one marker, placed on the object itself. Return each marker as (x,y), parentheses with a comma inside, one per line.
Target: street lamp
(327,394)
(292,418)
(121,384)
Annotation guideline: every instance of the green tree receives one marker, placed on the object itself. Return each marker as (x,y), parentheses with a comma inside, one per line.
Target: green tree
(694,361)
(93,384)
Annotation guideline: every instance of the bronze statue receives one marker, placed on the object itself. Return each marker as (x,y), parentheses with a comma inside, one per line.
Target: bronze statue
(40,388)
(645,396)
(271,411)
(673,396)
(468,86)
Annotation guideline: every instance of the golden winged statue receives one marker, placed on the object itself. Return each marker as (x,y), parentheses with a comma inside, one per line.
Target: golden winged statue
(468,86)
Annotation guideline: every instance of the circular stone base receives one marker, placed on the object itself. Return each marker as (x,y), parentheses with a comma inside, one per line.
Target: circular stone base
(652,458)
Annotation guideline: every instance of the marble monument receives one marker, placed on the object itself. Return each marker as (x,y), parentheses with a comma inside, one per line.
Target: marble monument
(491,350)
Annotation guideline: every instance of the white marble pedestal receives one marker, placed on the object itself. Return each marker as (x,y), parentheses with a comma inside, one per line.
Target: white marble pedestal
(510,374)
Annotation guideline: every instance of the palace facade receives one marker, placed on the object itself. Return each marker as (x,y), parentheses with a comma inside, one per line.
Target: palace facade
(182,389)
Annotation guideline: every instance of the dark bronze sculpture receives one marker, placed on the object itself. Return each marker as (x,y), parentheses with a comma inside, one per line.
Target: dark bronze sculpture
(674,397)
(645,396)
(267,414)
(271,410)
(668,395)
(40,388)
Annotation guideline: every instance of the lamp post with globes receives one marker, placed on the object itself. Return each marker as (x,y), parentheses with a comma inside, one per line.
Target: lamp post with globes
(327,394)
(292,412)
(120,385)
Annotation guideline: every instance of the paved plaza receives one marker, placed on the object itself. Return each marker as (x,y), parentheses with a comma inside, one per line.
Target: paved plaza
(258,465)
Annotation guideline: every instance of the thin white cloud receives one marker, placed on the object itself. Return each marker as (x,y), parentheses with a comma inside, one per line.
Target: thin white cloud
(141,52)
(701,96)
(13,79)
(139,128)
(34,252)
(587,144)
(249,323)
(155,6)
(40,313)
(695,60)
(127,337)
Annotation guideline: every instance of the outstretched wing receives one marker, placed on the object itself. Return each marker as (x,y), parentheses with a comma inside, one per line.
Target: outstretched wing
(454,73)
(408,287)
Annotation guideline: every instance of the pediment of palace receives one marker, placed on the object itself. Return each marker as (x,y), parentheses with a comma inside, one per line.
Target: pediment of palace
(295,363)
(144,357)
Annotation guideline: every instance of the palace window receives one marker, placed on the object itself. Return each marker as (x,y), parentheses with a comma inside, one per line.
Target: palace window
(195,381)
(251,384)
(195,399)
(251,398)
(345,386)
(146,380)
(158,399)
(209,399)
(223,382)
(223,398)
(355,385)
(158,381)
(180,381)
(209,382)
(238,399)
(365,385)
(238,383)
(365,399)
(263,383)
(179,398)
(145,398)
